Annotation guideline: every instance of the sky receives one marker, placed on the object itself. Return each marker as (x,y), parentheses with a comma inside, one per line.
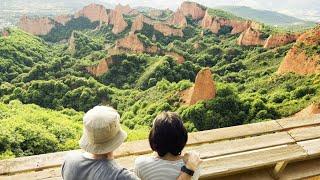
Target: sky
(303,9)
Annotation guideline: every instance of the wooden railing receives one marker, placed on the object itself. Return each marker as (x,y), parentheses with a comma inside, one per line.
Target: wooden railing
(281,149)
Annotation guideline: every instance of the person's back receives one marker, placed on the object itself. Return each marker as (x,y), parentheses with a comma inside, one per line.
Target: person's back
(167,138)
(79,166)
(158,169)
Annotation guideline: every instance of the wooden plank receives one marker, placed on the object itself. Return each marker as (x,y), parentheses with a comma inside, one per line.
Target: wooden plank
(251,160)
(295,122)
(260,174)
(240,145)
(305,133)
(312,147)
(234,132)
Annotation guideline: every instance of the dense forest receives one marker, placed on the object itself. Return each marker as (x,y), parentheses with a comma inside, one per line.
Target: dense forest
(46,88)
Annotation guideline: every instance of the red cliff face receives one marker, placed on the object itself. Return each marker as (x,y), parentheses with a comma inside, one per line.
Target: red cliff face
(250,37)
(311,110)
(94,12)
(178,19)
(214,24)
(165,29)
(133,43)
(137,24)
(127,10)
(5,33)
(299,59)
(179,58)
(63,19)
(36,26)
(280,40)
(196,11)
(99,69)
(203,89)
(118,22)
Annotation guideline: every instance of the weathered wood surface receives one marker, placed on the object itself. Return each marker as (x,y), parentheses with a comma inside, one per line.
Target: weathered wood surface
(244,149)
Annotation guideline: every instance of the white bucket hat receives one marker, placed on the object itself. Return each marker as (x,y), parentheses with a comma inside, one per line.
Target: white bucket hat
(102,132)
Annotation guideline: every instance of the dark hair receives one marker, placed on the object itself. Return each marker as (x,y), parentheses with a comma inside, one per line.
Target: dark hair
(168,135)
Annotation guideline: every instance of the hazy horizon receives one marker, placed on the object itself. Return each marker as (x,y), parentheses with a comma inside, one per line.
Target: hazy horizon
(306,10)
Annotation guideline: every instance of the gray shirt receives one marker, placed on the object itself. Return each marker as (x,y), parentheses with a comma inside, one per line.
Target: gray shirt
(153,168)
(79,167)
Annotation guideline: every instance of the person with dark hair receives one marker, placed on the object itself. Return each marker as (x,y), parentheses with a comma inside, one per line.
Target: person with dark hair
(102,135)
(167,138)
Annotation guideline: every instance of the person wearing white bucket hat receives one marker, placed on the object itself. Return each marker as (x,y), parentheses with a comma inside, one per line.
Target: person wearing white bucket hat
(102,135)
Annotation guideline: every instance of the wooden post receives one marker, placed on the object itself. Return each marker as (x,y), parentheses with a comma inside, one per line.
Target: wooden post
(278,169)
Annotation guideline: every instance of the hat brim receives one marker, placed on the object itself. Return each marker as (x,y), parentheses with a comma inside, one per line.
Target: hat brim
(103,148)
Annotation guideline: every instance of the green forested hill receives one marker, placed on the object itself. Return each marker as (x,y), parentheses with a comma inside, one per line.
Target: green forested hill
(269,17)
(45,87)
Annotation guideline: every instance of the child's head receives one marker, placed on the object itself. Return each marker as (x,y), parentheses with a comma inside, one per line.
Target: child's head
(168,135)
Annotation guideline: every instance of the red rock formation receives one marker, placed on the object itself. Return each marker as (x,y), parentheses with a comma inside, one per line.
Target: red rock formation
(180,59)
(99,69)
(137,24)
(178,19)
(133,43)
(203,89)
(5,33)
(166,30)
(250,37)
(36,26)
(214,24)
(311,110)
(94,12)
(127,10)
(118,22)
(195,10)
(280,40)
(298,60)
(63,19)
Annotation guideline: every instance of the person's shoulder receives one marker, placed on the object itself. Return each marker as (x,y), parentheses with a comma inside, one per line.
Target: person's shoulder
(144,160)
(73,156)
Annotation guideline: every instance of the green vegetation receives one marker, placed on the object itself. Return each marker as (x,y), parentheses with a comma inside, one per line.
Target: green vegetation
(222,14)
(269,17)
(62,32)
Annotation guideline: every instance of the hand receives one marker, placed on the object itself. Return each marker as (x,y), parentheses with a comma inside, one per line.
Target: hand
(192,160)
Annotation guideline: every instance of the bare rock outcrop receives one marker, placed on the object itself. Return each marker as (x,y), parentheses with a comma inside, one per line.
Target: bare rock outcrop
(311,110)
(5,33)
(280,40)
(138,22)
(100,68)
(94,12)
(166,30)
(195,10)
(36,26)
(133,43)
(127,10)
(214,24)
(63,19)
(250,37)
(178,19)
(118,22)
(203,89)
(179,58)
(300,59)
